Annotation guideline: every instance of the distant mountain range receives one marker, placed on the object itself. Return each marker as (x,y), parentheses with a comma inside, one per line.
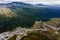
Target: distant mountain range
(26,4)
(25,14)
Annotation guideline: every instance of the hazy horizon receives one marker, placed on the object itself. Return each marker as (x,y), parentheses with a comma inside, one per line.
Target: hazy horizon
(49,2)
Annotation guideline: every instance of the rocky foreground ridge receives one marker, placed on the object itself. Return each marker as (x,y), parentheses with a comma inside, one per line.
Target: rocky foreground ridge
(40,31)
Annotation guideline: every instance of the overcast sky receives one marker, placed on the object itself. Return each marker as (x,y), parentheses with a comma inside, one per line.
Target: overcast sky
(34,1)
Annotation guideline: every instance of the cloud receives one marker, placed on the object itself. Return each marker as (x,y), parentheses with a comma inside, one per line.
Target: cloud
(34,1)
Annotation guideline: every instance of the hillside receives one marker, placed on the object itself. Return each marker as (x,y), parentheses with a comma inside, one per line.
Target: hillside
(24,14)
(40,31)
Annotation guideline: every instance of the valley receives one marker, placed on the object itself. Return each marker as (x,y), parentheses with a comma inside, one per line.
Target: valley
(24,21)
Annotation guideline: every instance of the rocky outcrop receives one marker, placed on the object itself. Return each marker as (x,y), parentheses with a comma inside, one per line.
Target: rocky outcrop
(43,29)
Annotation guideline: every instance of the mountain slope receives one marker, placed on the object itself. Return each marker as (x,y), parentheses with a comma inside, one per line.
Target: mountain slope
(24,14)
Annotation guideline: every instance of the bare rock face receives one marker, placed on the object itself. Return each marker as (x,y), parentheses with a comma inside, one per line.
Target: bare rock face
(40,31)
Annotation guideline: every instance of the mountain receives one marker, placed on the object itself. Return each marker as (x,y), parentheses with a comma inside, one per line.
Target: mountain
(40,31)
(25,14)
(39,5)
(22,4)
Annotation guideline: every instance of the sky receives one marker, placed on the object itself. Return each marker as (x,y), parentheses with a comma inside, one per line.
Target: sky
(49,2)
